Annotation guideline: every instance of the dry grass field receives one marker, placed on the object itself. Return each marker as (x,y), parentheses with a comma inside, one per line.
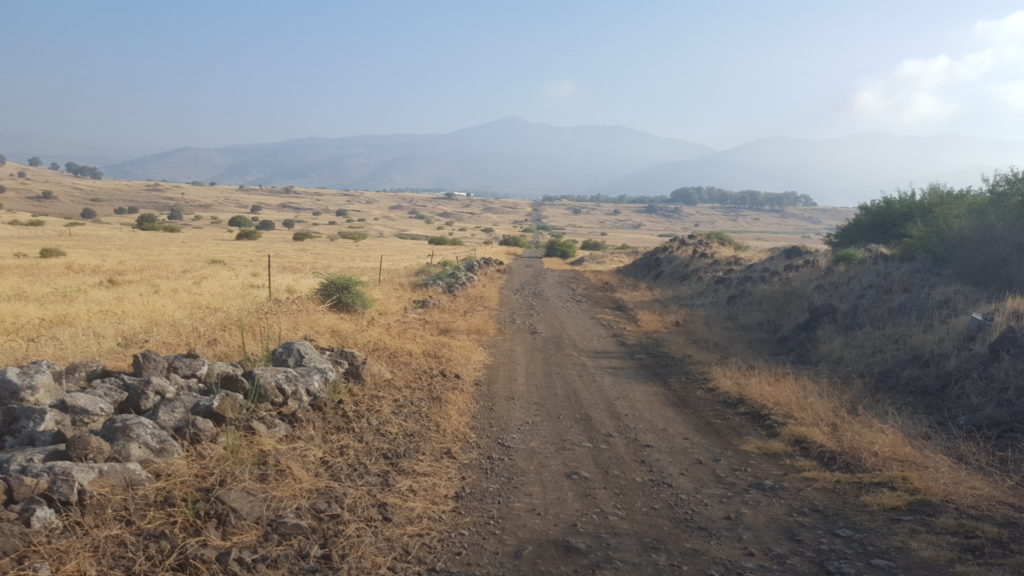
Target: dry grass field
(392,445)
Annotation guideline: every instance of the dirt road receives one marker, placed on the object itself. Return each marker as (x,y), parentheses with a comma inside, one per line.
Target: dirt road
(601,457)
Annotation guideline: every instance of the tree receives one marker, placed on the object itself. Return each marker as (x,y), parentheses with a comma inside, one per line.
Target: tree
(147,219)
(87,213)
(54,166)
(3,159)
(83,171)
(255,209)
(266,225)
(288,223)
(34,161)
(176,213)
(341,213)
(240,221)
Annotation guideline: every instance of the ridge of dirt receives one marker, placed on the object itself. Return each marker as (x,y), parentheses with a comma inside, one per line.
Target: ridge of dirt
(599,454)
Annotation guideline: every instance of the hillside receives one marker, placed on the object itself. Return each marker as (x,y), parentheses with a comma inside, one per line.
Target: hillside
(841,171)
(509,156)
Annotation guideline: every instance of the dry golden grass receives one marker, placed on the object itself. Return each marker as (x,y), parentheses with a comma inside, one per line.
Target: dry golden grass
(815,414)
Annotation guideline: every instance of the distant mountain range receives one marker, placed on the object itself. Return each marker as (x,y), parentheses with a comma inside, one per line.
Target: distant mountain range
(519,158)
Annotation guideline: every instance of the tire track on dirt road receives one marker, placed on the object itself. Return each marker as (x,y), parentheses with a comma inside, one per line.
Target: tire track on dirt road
(597,456)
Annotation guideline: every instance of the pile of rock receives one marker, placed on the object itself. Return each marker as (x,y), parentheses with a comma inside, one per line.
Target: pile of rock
(69,432)
(455,278)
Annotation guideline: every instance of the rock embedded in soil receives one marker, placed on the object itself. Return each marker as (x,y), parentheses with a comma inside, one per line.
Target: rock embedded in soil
(87,447)
(137,439)
(29,384)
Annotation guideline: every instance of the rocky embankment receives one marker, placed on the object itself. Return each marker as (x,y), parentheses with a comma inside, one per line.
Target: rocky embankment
(72,433)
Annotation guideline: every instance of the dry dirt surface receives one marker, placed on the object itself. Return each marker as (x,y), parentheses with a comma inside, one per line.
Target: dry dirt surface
(598,455)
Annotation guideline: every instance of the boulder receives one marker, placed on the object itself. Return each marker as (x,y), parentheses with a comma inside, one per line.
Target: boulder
(108,389)
(29,384)
(148,363)
(245,505)
(225,376)
(65,477)
(278,385)
(144,393)
(21,487)
(86,410)
(86,447)
(22,425)
(174,413)
(187,366)
(20,460)
(355,364)
(137,439)
(200,430)
(317,379)
(36,515)
(222,407)
(79,374)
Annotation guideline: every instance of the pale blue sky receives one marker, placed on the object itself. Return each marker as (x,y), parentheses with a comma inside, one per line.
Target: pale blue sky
(121,79)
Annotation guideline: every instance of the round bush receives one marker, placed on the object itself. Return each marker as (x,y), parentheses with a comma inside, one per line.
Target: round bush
(343,293)
(266,225)
(248,234)
(240,221)
(87,213)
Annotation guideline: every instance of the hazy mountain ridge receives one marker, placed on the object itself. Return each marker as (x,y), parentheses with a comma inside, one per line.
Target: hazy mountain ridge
(515,157)
(509,156)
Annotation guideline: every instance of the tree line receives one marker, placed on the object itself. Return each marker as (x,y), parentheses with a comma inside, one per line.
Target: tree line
(693,195)
(74,168)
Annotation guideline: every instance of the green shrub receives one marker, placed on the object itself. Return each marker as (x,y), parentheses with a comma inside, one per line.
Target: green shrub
(50,252)
(594,245)
(288,223)
(353,235)
(517,240)
(255,209)
(248,234)
(266,225)
(74,224)
(176,213)
(487,230)
(341,213)
(47,195)
(848,256)
(3,189)
(149,222)
(120,210)
(303,235)
(240,221)
(444,241)
(722,239)
(132,210)
(560,248)
(343,293)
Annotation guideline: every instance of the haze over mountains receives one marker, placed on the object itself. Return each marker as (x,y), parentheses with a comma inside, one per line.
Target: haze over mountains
(519,158)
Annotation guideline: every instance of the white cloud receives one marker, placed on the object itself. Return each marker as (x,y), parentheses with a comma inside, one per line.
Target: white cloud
(921,90)
(557,91)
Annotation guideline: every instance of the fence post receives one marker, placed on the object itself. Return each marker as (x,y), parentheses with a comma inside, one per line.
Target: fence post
(380,271)
(270,289)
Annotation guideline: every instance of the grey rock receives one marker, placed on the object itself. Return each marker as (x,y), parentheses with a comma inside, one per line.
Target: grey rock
(36,515)
(62,488)
(79,374)
(188,366)
(109,389)
(145,393)
(96,476)
(148,363)
(21,487)
(288,526)
(317,380)
(185,384)
(278,385)
(201,430)
(86,447)
(246,505)
(221,408)
(175,413)
(86,410)
(137,439)
(22,425)
(296,355)
(225,376)
(882,564)
(29,384)
(269,427)
(19,460)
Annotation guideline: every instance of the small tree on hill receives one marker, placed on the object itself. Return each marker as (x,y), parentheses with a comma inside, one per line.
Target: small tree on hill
(265,225)
(35,161)
(54,166)
(87,213)
(240,221)
(3,159)
(176,213)
(255,208)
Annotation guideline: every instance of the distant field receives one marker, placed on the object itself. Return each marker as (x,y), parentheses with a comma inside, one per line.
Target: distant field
(119,290)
